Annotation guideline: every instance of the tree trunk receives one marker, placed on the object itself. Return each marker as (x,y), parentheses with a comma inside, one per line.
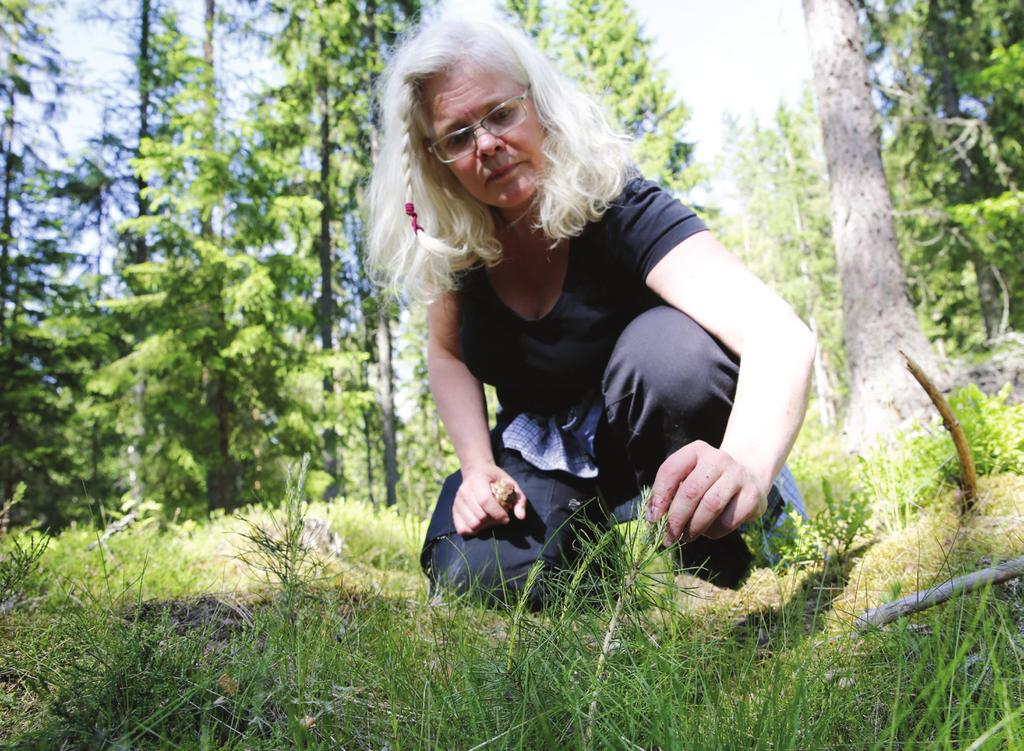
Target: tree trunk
(144,66)
(878,318)
(210,18)
(368,439)
(221,485)
(385,395)
(822,386)
(139,246)
(221,478)
(7,220)
(326,307)
(7,295)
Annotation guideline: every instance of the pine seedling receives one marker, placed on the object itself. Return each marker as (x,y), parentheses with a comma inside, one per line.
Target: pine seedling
(636,590)
(520,611)
(20,562)
(279,551)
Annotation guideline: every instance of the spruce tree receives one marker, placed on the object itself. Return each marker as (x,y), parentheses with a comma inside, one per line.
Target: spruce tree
(947,74)
(331,54)
(48,336)
(224,404)
(601,44)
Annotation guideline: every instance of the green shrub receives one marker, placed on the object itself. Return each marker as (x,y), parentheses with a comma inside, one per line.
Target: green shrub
(831,532)
(906,475)
(18,562)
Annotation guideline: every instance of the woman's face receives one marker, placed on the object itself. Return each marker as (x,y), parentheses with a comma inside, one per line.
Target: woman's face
(501,171)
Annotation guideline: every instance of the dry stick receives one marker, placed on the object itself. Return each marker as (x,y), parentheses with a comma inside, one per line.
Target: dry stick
(119,526)
(918,601)
(968,474)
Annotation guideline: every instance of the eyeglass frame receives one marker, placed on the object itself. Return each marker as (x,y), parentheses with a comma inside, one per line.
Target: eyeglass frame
(472,129)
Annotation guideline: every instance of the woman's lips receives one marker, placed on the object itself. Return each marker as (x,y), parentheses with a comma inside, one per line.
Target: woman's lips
(502,171)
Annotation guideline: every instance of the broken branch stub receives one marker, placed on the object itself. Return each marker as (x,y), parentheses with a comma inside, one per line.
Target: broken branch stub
(968,473)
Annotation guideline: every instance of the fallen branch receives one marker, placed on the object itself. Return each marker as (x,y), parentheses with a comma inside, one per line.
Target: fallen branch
(968,474)
(112,529)
(919,601)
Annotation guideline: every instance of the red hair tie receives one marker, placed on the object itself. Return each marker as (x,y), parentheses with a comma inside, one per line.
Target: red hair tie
(410,210)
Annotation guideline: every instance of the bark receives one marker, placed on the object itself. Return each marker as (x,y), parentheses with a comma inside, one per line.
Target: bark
(210,17)
(221,484)
(6,284)
(367,438)
(7,220)
(968,473)
(385,394)
(140,246)
(206,219)
(221,491)
(825,397)
(878,318)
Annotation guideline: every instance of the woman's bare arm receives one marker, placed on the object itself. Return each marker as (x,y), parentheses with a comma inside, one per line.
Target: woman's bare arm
(712,491)
(460,403)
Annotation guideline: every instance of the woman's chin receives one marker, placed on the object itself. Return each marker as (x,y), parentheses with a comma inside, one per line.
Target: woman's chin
(514,200)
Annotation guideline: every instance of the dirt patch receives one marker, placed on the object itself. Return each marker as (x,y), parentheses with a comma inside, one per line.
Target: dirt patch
(218,618)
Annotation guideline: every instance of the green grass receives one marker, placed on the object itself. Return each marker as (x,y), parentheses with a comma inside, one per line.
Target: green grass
(363,671)
(123,646)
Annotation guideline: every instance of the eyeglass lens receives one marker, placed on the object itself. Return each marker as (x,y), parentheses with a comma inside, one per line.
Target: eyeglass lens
(498,121)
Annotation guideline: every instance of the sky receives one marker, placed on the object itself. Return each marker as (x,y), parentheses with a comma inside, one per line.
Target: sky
(723,56)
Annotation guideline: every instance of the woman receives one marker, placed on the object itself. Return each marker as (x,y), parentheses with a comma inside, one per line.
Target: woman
(628,348)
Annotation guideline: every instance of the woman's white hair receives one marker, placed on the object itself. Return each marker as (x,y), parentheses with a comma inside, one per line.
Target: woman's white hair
(587,161)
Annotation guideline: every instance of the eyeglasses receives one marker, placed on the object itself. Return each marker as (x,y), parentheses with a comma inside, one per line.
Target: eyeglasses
(497,122)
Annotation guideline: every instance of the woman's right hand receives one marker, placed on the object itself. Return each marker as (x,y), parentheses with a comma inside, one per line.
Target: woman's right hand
(475,508)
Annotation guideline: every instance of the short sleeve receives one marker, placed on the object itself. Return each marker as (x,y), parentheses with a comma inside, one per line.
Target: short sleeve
(645,223)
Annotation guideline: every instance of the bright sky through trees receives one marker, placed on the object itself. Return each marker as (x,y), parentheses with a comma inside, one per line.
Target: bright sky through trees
(738,56)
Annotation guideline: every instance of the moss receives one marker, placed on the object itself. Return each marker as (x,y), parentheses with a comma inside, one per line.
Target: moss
(939,544)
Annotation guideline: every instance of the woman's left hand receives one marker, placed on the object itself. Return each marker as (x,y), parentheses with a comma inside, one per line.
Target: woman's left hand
(705,492)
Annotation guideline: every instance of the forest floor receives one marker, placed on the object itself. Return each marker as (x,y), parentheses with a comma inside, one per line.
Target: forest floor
(268,630)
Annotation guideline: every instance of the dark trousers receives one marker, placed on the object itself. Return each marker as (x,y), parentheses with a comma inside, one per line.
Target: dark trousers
(668,382)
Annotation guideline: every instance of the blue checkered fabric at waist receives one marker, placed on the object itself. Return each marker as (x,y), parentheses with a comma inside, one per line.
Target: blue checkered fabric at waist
(565,442)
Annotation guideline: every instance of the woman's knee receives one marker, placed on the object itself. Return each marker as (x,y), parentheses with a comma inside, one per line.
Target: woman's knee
(561,510)
(482,567)
(666,367)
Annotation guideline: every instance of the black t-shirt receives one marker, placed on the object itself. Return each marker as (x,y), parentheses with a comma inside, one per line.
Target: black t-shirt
(549,364)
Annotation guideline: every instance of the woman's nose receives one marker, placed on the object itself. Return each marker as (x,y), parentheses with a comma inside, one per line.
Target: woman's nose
(487,142)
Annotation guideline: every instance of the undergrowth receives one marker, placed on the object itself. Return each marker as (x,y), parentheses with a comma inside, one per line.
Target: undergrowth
(303,648)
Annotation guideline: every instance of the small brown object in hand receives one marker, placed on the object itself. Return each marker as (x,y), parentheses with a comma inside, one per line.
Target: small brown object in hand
(503,493)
